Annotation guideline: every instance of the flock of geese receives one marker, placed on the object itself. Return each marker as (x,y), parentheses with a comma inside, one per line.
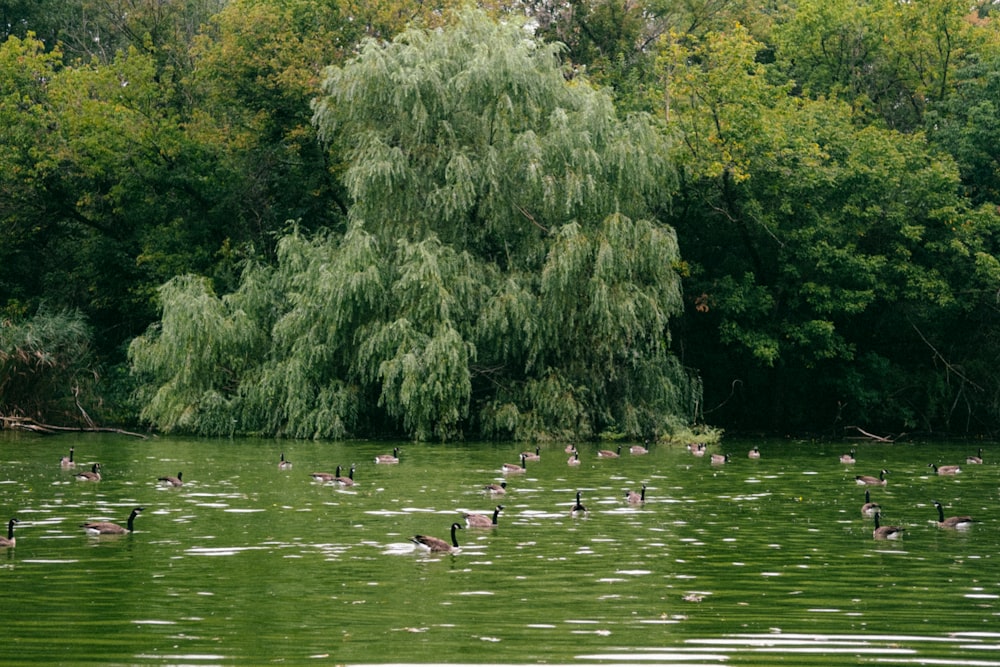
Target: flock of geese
(437,545)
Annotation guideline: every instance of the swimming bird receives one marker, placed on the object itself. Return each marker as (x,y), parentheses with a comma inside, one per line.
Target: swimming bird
(325,477)
(886,532)
(92,475)
(513,468)
(956,522)
(283,464)
(975,459)
(578,507)
(437,545)
(9,541)
(496,489)
(109,528)
(872,481)
(570,448)
(719,459)
(870,508)
(574,460)
(639,450)
(634,498)
(171,481)
(481,520)
(945,470)
(388,458)
(698,448)
(345,481)
(848,458)
(754,453)
(536,456)
(608,454)
(67,461)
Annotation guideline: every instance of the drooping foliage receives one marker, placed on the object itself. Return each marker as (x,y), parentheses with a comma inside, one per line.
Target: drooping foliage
(502,274)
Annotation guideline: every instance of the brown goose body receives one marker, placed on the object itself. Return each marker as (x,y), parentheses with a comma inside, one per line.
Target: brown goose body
(67,461)
(945,470)
(388,458)
(868,480)
(639,450)
(975,460)
(167,480)
(848,458)
(608,454)
(436,544)
(345,481)
(9,541)
(719,459)
(870,508)
(754,453)
(109,528)
(283,464)
(697,449)
(953,522)
(578,508)
(325,477)
(886,532)
(533,456)
(481,520)
(634,498)
(574,460)
(92,475)
(513,468)
(496,489)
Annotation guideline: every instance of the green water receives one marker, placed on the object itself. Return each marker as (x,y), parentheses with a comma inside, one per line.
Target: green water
(756,562)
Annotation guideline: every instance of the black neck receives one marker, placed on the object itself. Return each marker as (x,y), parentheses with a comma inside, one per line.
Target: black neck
(454,537)
(10,529)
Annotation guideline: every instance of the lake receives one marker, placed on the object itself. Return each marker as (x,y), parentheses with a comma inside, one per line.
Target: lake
(754,562)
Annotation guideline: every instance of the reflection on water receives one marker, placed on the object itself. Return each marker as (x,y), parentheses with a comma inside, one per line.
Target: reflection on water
(753,562)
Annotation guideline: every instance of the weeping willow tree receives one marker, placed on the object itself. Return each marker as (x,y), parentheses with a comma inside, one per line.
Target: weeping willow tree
(503,274)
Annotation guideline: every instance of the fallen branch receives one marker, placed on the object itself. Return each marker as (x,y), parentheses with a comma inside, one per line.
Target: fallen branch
(28,424)
(877,438)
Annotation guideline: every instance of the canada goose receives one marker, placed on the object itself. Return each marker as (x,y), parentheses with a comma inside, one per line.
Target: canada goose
(481,520)
(608,454)
(639,450)
(872,481)
(848,458)
(513,468)
(945,470)
(325,477)
(698,448)
(886,532)
(719,459)
(754,453)
(437,545)
(283,464)
(67,461)
(533,456)
(171,481)
(578,507)
(388,458)
(496,489)
(109,528)
(870,508)
(574,460)
(956,522)
(968,459)
(9,541)
(634,498)
(345,481)
(570,449)
(92,475)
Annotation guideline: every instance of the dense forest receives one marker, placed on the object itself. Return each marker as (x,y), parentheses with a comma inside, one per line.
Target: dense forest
(521,219)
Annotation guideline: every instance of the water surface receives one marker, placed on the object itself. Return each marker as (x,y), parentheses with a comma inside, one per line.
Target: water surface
(754,562)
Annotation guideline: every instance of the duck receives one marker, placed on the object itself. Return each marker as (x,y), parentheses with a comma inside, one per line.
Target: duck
(608,454)
(92,475)
(325,477)
(639,450)
(388,458)
(574,460)
(67,461)
(481,520)
(872,481)
(167,480)
(955,522)
(578,507)
(975,459)
(437,545)
(496,489)
(284,464)
(754,453)
(533,456)
(719,459)
(869,508)
(848,458)
(945,470)
(109,528)
(345,481)
(634,498)
(513,468)
(9,541)
(886,532)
